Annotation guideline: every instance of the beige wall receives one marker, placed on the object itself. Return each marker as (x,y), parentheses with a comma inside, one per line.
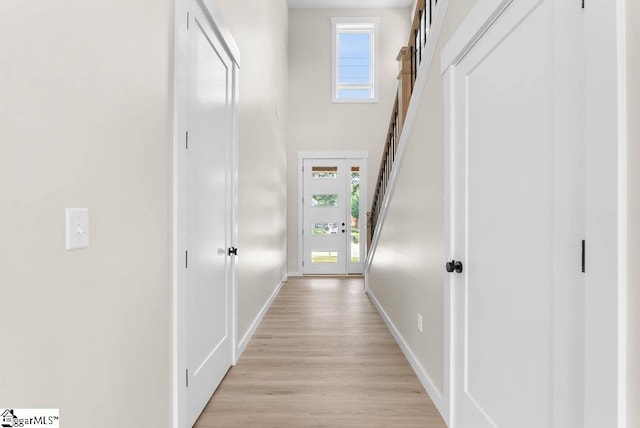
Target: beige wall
(85,121)
(633,113)
(259,27)
(317,124)
(406,275)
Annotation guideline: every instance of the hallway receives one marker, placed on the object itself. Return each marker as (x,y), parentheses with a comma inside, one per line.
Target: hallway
(321,357)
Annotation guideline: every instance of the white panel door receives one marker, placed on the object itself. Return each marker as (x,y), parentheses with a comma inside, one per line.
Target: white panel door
(207,148)
(517,150)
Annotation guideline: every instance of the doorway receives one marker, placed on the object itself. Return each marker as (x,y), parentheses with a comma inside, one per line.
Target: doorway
(333,206)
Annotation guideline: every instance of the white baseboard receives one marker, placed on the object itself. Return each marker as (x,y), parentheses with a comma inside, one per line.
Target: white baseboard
(256,322)
(290,274)
(428,384)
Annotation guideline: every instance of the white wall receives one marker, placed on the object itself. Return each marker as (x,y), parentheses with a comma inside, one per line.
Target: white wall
(633,113)
(406,274)
(85,121)
(259,27)
(317,124)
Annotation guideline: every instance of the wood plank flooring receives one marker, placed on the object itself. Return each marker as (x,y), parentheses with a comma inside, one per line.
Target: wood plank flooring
(322,357)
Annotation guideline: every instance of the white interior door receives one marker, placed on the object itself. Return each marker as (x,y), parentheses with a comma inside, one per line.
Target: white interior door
(207,151)
(517,188)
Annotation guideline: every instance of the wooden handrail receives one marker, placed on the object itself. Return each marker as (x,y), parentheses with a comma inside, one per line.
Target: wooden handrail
(410,57)
(405,82)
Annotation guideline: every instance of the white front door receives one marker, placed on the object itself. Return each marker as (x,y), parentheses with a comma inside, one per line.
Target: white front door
(517,216)
(207,220)
(333,215)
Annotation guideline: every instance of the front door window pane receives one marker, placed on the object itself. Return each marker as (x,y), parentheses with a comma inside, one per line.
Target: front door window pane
(324,229)
(324,172)
(324,257)
(320,201)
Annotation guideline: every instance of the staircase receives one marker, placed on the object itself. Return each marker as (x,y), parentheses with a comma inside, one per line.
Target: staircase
(409,58)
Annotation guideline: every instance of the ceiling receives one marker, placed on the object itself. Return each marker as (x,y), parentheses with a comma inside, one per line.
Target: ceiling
(347,4)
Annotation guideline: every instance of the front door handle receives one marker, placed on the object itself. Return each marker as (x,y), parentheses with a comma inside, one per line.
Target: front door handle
(454,266)
(233,251)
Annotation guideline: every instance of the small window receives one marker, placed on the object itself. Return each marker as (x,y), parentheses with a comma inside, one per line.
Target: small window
(354,59)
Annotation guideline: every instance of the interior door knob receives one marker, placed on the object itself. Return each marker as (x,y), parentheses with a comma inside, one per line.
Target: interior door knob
(454,266)
(233,251)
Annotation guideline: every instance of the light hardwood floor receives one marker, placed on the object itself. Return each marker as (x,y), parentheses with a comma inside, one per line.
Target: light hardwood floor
(322,357)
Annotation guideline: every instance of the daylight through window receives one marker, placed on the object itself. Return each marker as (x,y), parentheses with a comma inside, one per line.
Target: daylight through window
(354,59)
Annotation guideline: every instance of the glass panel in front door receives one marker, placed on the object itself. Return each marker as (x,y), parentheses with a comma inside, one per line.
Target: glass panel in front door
(325,228)
(321,201)
(324,257)
(324,172)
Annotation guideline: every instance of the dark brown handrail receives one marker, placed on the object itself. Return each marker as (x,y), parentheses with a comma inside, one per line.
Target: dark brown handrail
(410,58)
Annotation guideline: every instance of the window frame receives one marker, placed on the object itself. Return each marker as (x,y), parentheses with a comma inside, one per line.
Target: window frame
(347,24)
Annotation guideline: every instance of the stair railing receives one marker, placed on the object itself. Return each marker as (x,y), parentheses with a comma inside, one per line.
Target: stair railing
(409,58)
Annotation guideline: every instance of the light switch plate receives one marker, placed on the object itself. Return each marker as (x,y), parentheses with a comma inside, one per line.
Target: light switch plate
(77,228)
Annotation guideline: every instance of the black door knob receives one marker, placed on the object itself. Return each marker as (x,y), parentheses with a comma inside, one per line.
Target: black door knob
(233,251)
(454,266)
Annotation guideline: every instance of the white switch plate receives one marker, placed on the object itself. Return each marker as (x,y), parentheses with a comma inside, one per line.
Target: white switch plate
(420,323)
(77,228)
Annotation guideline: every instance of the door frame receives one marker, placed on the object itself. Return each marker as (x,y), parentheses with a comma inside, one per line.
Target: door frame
(606,204)
(180,81)
(348,155)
